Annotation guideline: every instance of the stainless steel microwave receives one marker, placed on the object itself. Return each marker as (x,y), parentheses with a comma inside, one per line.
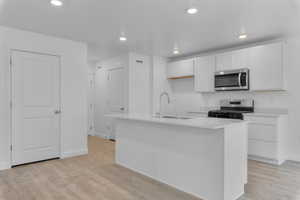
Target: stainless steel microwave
(230,80)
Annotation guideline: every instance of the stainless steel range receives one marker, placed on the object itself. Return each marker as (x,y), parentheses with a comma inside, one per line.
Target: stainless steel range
(233,109)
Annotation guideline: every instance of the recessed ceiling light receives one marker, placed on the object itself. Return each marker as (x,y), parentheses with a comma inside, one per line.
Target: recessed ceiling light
(176,51)
(56,2)
(192,11)
(123,39)
(243,36)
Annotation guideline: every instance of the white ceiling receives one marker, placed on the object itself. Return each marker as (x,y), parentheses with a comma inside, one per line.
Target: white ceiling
(154,26)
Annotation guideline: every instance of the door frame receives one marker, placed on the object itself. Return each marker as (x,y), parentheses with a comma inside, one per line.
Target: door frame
(11,50)
(89,131)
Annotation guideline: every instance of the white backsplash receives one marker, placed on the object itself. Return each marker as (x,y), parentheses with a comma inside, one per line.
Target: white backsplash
(186,99)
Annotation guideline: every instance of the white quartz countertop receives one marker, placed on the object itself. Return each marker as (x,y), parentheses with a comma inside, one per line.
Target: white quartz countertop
(200,122)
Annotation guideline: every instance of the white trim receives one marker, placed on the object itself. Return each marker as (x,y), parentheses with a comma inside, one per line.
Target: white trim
(91,133)
(101,135)
(69,154)
(4,165)
(294,158)
(266,160)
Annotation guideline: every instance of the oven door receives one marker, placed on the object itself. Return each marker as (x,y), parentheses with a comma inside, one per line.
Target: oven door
(232,80)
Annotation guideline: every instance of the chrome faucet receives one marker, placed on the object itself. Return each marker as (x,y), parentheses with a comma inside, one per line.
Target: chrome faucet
(160,99)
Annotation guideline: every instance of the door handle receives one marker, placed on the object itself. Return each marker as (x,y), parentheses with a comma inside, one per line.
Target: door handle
(57,112)
(122,109)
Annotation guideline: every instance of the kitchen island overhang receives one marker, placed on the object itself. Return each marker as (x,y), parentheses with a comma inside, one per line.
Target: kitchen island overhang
(204,157)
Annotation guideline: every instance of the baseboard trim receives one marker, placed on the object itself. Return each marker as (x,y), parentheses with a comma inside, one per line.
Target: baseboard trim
(70,154)
(101,135)
(265,160)
(4,165)
(294,158)
(91,133)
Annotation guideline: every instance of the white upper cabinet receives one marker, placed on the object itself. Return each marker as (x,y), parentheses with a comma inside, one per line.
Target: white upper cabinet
(241,59)
(204,74)
(265,63)
(266,68)
(232,60)
(224,61)
(180,69)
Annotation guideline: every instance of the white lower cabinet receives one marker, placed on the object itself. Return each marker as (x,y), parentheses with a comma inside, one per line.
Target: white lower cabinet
(267,138)
(263,132)
(263,151)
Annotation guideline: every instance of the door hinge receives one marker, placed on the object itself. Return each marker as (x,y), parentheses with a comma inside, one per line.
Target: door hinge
(10,61)
(10,104)
(11,148)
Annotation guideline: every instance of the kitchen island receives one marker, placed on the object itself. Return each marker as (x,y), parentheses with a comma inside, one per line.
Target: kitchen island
(206,157)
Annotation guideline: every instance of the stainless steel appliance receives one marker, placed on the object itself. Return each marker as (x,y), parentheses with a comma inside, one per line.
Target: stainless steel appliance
(232,80)
(233,109)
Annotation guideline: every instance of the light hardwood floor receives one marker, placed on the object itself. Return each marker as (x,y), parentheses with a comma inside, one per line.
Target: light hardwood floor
(96,177)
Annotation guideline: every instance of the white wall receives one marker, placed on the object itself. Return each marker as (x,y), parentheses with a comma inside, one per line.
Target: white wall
(161,84)
(73,88)
(137,88)
(293,100)
(100,102)
(103,126)
(187,100)
(140,71)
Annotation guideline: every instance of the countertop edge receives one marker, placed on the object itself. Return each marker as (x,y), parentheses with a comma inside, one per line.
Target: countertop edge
(174,123)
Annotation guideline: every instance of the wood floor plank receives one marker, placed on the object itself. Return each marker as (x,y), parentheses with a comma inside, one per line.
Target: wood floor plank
(96,177)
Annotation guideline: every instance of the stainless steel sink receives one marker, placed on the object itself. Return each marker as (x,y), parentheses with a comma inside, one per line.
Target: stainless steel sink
(171,117)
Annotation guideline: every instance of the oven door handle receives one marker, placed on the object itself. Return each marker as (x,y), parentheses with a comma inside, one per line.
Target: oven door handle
(240,81)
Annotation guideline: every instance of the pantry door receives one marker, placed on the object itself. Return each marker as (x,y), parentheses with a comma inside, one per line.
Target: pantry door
(116,90)
(35,106)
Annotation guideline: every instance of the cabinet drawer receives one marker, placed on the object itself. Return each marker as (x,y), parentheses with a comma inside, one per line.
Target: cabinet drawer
(262,120)
(263,149)
(263,132)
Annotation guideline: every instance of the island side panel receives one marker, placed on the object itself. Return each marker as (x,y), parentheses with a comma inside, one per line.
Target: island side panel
(189,159)
(236,150)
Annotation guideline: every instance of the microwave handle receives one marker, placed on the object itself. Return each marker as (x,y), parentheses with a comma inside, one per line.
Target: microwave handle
(240,81)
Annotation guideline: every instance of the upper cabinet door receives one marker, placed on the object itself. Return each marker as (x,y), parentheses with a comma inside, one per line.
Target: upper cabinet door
(233,60)
(241,59)
(224,61)
(204,73)
(180,69)
(266,71)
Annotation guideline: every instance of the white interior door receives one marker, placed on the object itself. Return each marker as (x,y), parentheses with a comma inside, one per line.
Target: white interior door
(115,97)
(35,107)
(116,90)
